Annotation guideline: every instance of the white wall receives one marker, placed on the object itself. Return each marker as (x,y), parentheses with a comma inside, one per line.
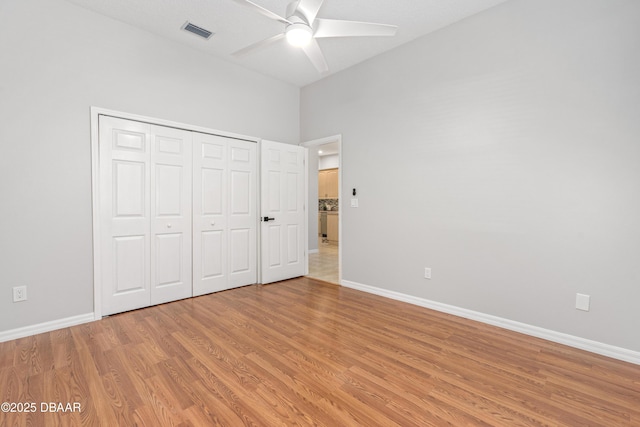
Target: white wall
(503,152)
(58,60)
(331,161)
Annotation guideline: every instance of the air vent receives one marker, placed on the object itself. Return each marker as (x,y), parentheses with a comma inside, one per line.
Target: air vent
(198,31)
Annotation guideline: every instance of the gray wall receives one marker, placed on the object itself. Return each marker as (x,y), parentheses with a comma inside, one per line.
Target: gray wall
(503,152)
(58,60)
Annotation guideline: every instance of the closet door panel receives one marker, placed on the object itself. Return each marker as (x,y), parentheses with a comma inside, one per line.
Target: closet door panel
(243,213)
(169,191)
(224,211)
(240,254)
(212,251)
(124,203)
(130,259)
(169,253)
(210,194)
(213,191)
(129,189)
(171,214)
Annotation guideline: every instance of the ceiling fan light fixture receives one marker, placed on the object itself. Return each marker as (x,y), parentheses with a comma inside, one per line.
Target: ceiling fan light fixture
(299,34)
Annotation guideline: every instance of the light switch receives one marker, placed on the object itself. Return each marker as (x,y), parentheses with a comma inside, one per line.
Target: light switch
(354,203)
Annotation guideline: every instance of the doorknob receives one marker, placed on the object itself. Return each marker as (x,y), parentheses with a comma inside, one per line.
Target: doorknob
(169,225)
(213,223)
(267,219)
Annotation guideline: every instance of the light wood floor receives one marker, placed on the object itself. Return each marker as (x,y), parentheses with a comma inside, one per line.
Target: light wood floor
(323,265)
(305,352)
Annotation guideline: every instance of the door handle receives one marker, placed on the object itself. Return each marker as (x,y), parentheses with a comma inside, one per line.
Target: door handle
(267,219)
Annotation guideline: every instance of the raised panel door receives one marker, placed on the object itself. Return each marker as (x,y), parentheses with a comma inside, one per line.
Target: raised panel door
(124,203)
(210,206)
(282,211)
(171,214)
(243,213)
(224,212)
(145,209)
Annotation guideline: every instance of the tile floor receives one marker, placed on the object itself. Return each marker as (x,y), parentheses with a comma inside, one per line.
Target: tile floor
(324,264)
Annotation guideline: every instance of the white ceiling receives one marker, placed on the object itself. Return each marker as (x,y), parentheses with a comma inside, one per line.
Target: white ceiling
(236,26)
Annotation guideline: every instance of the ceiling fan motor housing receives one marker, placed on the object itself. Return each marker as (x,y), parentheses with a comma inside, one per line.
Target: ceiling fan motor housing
(299,34)
(299,31)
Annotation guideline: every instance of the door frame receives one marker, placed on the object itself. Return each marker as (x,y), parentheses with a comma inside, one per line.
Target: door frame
(314,143)
(96,112)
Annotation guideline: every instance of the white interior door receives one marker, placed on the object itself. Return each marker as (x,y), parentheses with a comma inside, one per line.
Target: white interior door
(145,209)
(243,213)
(209,213)
(125,157)
(283,233)
(171,214)
(224,212)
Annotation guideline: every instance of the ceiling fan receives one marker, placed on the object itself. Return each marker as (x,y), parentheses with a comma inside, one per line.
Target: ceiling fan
(302,28)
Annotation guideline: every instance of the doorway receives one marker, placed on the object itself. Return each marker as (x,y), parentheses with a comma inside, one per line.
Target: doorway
(325,220)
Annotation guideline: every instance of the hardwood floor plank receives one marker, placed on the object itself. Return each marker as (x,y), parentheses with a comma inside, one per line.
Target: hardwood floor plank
(305,352)
(518,396)
(120,374)
(241,400)
(97,409)
(490,411)
(209,358)
(7,353)
(302,386)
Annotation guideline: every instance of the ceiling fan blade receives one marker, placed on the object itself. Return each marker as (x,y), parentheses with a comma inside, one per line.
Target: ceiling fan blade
(309,8)
(261,10)
(312,50)
(337,28)
(258,45)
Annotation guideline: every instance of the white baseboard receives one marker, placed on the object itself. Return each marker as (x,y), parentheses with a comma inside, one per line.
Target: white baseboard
(314,251)
(547,334)
(46,327)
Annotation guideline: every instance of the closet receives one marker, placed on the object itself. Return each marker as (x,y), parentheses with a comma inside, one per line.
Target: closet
(177,213)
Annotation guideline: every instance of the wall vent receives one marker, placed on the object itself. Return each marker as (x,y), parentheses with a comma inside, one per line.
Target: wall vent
(198,31)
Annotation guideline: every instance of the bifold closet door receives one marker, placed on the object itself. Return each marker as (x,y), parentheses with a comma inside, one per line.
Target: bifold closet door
(145,211)
(170,214)
(224,213)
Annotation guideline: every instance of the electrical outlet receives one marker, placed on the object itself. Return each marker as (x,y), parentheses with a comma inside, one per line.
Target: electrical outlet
(19,293)
(427,273)
(582,302)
